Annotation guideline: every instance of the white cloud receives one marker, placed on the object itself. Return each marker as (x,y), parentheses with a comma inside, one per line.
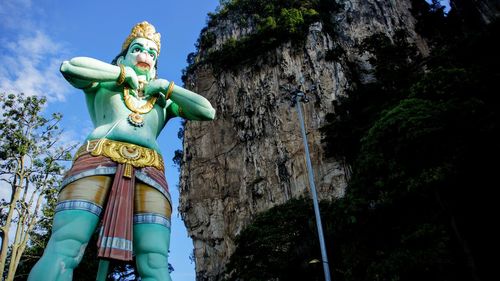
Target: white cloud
(11,11)
(32,66)
(30,57)
(30,61)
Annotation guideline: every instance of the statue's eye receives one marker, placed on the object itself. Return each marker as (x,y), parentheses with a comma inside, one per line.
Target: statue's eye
(152,54)
(136,50)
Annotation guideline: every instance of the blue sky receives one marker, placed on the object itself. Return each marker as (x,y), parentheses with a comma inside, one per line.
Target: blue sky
(36,36)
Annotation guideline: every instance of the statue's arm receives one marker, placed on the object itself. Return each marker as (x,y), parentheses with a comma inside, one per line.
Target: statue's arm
(83,72)
(191,105)
(184,103)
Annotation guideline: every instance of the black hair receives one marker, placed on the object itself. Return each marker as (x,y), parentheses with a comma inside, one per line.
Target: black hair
(121,54)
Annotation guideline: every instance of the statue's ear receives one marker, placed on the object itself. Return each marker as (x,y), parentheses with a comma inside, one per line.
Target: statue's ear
(119,60)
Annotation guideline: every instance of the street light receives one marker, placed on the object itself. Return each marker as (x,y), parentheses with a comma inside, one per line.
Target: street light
(297,97)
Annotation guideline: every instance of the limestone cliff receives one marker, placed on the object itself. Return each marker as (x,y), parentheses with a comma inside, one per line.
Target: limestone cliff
(486,11)
(251,157)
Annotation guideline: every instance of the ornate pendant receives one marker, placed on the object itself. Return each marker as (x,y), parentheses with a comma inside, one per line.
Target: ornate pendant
(135,119)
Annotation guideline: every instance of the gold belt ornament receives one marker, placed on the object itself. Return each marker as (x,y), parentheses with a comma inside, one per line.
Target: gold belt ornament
(123,153)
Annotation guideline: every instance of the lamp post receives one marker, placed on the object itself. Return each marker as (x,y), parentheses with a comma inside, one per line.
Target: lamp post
(297,97)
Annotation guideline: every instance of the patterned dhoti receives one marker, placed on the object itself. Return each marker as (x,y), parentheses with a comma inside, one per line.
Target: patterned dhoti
(125,181)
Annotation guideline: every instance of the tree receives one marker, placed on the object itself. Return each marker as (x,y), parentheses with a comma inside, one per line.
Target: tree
(30,165)
(420,204)
(281,244)
(418,140)
(38,239)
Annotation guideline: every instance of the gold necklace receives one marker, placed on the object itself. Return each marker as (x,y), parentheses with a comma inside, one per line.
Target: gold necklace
(135,118)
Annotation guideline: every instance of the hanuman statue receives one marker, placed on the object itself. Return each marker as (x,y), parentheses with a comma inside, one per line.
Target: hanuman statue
(117,177)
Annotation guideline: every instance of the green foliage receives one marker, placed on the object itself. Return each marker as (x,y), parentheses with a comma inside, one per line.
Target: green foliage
(31,165)
(279,244)
(177,159)
(266,25)
(291,20)
(207,39)
(431,21)
(275,22)
(418,139)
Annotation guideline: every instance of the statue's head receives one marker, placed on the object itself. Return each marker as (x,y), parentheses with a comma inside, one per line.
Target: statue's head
(141,49)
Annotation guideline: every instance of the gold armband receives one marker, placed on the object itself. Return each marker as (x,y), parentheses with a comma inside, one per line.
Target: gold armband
(170,90)
(121,77)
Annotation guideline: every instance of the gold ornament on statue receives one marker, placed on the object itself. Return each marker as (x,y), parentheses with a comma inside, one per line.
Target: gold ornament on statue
(135,118)
(143,30)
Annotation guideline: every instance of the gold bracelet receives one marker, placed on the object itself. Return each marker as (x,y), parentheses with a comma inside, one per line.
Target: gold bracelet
(170,90)
(121,77)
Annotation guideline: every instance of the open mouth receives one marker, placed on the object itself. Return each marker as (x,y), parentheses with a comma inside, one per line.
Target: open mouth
(143,65)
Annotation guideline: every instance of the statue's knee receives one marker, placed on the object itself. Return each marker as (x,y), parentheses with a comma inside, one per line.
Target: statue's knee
(154,254)
(151,242)
(157,260)
(68,251)
(71,248)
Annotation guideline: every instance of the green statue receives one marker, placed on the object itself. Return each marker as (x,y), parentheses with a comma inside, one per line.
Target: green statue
(117,176)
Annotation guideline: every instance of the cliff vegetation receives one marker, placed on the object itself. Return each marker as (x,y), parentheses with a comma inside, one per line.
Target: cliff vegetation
(272,22)
(420,138)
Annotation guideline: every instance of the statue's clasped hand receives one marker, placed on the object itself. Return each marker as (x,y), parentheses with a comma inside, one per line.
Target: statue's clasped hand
(161,88)
(131,77)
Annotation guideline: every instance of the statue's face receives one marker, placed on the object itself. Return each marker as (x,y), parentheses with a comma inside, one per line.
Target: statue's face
(141,56)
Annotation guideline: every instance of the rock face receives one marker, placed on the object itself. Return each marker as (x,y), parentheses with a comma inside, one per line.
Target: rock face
(486,11)
(251,157)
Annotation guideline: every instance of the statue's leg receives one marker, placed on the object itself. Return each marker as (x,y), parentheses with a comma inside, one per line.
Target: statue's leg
(151,233)
(151,243)
(74,223)
(72,230)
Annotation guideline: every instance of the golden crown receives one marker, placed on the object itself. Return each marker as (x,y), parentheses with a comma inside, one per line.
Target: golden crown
(143,30)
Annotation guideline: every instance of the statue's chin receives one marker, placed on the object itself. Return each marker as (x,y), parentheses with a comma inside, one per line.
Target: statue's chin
(141,70)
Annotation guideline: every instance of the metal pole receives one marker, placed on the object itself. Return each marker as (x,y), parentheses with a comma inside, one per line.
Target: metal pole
(326,269)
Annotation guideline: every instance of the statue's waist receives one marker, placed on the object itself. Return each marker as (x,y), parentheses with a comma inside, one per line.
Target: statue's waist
(122,131)
(123,153)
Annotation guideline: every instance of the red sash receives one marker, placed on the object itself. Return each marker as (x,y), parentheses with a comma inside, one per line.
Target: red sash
(116,236)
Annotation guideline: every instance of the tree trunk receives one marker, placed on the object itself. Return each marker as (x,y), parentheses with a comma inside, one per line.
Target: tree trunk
(6,228)
(21,245)
(17,187)
(15,246)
